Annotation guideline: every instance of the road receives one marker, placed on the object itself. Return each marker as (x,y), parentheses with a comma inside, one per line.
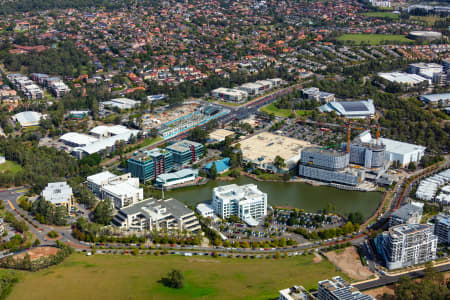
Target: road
(386,280)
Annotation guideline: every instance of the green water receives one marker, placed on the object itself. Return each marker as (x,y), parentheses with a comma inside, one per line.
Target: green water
(295,194)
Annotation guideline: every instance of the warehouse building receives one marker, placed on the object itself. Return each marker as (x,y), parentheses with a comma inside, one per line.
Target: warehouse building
(179,177)
(185,152)
(407,245)
(350,109)
(404,78)
(328,166)
(262,148)
(436,99)
(148,164)
(152,214)
(442,228)
(402,152)
(246,202)
(75,139)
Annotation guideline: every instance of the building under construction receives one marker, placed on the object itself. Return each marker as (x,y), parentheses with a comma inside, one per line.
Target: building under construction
(329,166)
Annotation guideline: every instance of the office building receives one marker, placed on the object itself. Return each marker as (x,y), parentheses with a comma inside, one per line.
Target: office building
(339,289)
(152,214)
(410,213)
(185,152)
(205,210)
(75,139)
(368,155)
(442,228)
(436,99)
(406,245)
(231,95)
(404,153)
(122,190)
(59,194)
(246,202)
(121,103)
(179,177)
(295,293)
(314,93)
(148,164)
(328,166)
(350,109)
(219,135)
(425,70)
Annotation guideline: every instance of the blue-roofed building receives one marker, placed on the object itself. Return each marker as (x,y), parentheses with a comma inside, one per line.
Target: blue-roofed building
(350,109)
(179,177)
(221,165)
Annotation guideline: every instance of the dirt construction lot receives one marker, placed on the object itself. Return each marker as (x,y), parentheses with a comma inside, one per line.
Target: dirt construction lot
(348,261)
(38,252)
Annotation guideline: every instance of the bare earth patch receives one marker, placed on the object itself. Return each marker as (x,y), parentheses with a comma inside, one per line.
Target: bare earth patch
(317,258)
(348,261)
(199,260)
(38,252)
(379,292)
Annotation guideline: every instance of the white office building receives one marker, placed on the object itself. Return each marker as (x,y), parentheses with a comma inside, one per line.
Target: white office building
(205,210)
(442,228)
(294,293)
(153,214)
(232,95)
(246,202)
(122,190)
(59,194)
(406,245)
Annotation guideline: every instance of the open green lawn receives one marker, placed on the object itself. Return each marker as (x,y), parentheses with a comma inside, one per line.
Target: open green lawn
(10,166)
(428,20)
(373,39)
(136,277)
(382,14)
(280,112)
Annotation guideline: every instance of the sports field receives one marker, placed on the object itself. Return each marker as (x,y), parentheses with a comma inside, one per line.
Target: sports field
(382,15)
(136,277)
(373,39)
(281,112)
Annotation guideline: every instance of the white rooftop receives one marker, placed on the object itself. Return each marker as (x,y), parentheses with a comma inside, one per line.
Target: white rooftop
(57,192)
(401,77)
(100,178)
(128,187)
(392,145)
(27,118)
(78,138)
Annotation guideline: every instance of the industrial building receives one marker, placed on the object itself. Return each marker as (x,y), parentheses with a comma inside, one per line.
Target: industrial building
(410,213)
(246,202)
(339,289)
(262,148)
(148,164)
(28,118)
(350,109)
(179,177)
(442,228)
(122,190)
(185,152)
(314,93)
(199,117)
(404,78)
(328,165)
(404,153)
(231,95)
(152,214)
(75,139)
(407,245)
(59,194)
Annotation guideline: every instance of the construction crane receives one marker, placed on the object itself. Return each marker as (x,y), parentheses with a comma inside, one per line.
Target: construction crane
(349,130)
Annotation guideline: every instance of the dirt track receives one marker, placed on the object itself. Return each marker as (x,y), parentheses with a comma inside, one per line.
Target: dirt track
(38,252)
(348,261)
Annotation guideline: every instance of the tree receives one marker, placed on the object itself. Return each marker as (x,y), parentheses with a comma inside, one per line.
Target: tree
(279,162)
(174,279)
(356,218)
(213,172)
(103,212)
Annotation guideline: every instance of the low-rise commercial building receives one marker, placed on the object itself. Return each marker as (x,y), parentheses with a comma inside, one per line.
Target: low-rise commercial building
(205,210)
(122,190)
(179,177)
(75,139)
(232,95)
(314,93)
(152,214)
(59,194)
(406,245)
(185,152)
(410,213)
(246,202)
(442,228)
(219,135)
(148,164)
(121,103)
(404,78)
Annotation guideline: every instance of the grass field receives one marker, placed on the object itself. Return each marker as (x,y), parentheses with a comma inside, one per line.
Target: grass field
(280,112)
(382,15)
(428,20)
(10,166)
(373,39)
(136,277)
